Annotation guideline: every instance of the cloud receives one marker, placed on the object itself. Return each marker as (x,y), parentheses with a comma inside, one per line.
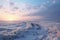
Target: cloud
(23,9)
(53,12)
(54,1)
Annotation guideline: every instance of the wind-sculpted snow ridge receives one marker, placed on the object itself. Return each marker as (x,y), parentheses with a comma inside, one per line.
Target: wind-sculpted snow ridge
(31,31)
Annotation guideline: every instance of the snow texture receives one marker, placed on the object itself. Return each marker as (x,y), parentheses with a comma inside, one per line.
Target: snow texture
(30,31)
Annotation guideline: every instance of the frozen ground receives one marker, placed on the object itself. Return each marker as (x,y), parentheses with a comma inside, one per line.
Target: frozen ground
(38,30)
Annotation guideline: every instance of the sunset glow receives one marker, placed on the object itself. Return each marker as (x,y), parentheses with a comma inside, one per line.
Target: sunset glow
(9,17)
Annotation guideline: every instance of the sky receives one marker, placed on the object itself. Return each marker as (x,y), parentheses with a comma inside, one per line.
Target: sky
(47,9)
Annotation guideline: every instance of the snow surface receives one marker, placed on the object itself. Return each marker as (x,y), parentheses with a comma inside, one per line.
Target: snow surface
(43,30)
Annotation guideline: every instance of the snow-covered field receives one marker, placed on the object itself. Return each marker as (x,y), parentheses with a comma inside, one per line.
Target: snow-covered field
(39,30)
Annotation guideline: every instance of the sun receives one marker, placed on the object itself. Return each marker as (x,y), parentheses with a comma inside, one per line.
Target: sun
(10,17)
